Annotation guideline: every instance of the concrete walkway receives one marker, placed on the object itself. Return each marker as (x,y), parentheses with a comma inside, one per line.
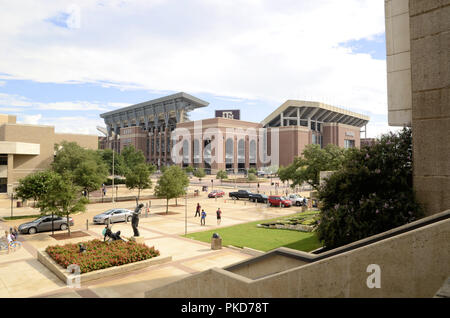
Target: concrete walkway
(22,275)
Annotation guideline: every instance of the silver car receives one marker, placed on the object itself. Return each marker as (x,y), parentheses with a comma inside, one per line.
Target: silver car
(44,223)
(113,215)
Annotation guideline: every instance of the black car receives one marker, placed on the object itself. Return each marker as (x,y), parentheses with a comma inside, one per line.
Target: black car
(240,194)
(258,197)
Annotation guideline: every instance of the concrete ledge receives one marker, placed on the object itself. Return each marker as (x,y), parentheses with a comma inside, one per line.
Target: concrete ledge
(62,273)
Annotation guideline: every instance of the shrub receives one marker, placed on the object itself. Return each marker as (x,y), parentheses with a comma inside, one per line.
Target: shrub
(371,194)
(251,177)
(100,255)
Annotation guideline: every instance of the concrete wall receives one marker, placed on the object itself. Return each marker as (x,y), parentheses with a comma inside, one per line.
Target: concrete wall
(85,141)
(430,67)
(413,264)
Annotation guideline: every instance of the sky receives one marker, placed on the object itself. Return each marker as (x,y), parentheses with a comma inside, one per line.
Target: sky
(63,63)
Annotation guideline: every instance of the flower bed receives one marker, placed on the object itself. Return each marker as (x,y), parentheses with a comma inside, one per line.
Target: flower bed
(100,255)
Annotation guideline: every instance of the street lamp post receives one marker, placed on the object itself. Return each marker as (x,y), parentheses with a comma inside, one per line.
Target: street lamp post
(185,211)
(113,173)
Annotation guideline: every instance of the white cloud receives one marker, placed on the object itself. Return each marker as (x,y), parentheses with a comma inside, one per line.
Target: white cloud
(259,50)
(31,119)
(23,102)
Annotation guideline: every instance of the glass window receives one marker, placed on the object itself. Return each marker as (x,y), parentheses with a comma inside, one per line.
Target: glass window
(3,160)
(349,143)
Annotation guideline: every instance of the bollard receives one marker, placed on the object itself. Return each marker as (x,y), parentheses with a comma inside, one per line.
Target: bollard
(87,224)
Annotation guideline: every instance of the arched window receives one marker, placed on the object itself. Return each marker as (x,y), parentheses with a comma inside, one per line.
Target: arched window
(229,153)
(241,151)
(252,151)
(186,156)
(197,158)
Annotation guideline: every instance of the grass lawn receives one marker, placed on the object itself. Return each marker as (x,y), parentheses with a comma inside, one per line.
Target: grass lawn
(19,217)
(249,235)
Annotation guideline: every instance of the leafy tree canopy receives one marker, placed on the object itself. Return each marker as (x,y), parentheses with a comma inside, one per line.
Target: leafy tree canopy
(87,168)
(171,184)
(313,160)
(119,162)
(62,197)
(371,194)
(138,177)
(132,157)
(34,185)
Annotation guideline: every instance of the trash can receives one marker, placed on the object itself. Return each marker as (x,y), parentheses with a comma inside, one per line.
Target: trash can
(19,204)
(216,242)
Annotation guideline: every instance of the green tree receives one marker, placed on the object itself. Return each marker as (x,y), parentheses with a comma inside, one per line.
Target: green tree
(313,160)
(200,173)
(221,174)
(138,177)
(132,157)
(62,197)
(33,186)
(87,168)
(252,170)
(251,177)
(171,184)
(371,194)
(119,162)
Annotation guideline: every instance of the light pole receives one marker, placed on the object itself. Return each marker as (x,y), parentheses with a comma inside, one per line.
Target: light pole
(113,173)
(185,211)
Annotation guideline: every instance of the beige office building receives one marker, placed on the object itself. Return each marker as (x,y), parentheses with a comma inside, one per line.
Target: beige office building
(26,149)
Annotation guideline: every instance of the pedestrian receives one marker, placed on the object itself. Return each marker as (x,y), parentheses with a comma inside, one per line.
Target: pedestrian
(203,218)
(219,216)
(197,211)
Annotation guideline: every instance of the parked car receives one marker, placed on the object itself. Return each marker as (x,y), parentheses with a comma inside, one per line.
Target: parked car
(258,197)
(216,194)
(113,215)
(277,200)
(44,223)
(297,200)
(240,194)
(260,173)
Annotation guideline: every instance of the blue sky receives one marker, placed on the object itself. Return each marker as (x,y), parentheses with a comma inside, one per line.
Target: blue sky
(66,63)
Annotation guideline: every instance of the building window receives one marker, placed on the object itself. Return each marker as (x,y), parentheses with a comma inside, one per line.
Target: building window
(3,185)
(3,160)
(349,143)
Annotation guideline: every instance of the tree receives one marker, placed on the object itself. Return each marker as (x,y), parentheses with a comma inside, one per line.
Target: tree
(62,197)
(34,185)
(251,177)
(252,170)
(119,162)
(132,157)
(171,184)
(138,177)
(221,174)
(314,159)
(87,168)
(371,194)
(200,173)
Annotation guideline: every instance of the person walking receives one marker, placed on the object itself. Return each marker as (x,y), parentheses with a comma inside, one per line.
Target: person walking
(219,216)
(197,211)
(203,218)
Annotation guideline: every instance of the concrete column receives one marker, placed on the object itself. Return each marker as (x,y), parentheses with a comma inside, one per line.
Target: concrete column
(430,80)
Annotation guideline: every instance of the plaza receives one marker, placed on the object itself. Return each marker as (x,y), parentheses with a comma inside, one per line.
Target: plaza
(22,275)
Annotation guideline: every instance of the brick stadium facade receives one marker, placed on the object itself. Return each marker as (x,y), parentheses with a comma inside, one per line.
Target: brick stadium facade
(154,127)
